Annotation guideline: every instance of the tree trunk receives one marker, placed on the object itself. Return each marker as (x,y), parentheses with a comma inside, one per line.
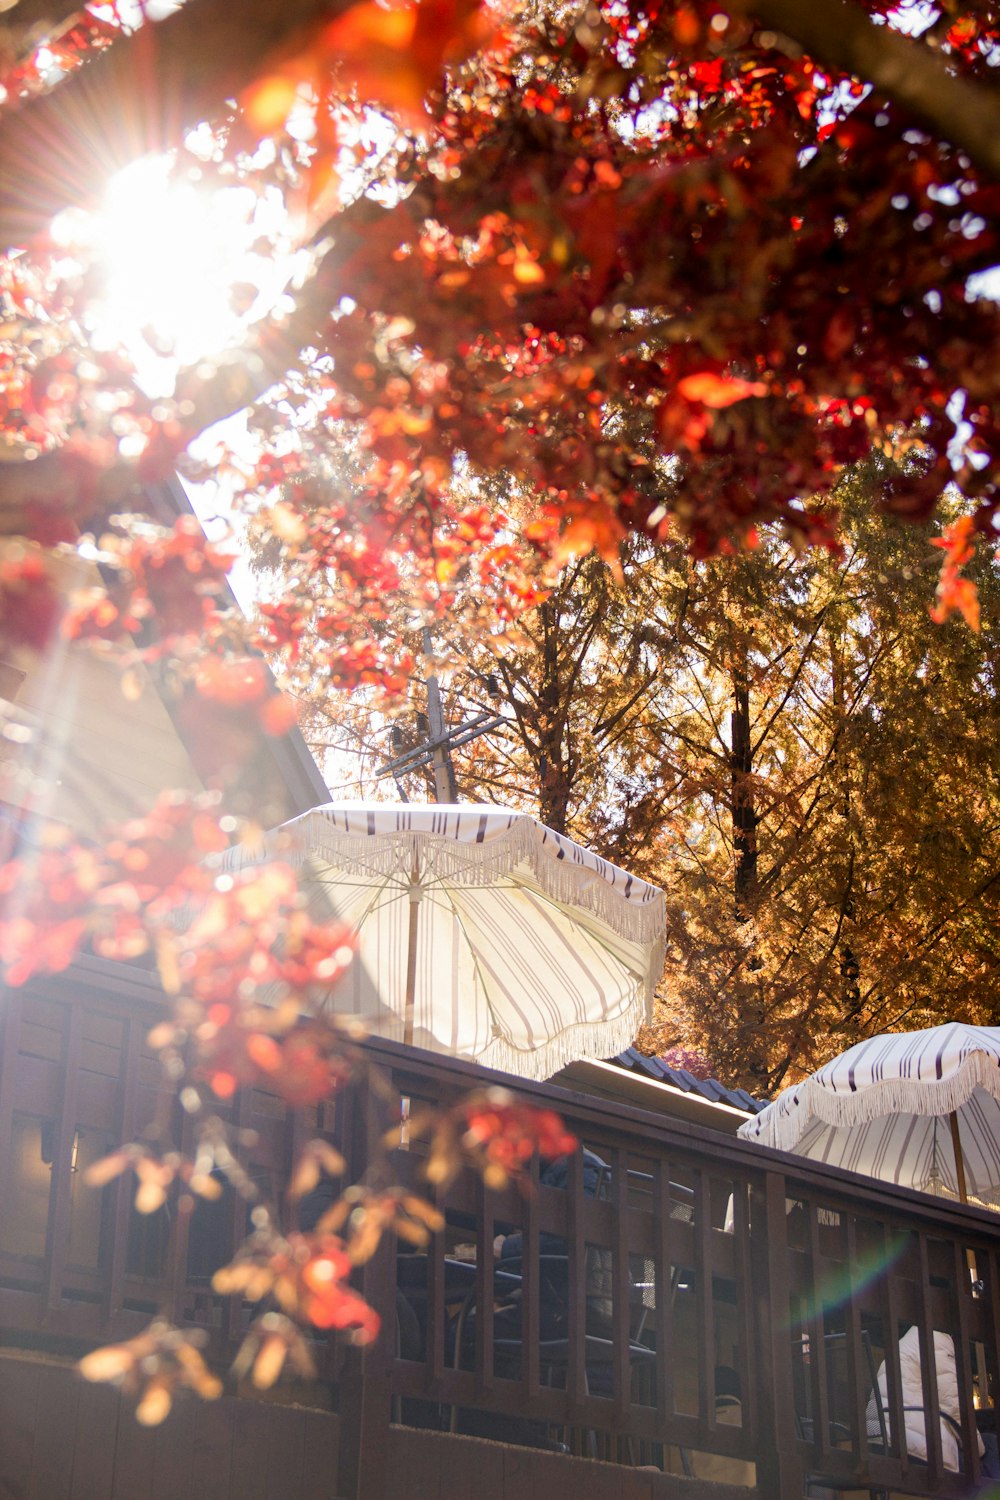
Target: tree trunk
(742,805)
(553,772)
(850,969)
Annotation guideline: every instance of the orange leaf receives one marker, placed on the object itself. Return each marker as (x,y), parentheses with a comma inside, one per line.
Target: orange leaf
(264,1051)
(277,716)
(718,391)
(269,102)
(270,1361)
(109,1363)
(957,541)
(155,1404)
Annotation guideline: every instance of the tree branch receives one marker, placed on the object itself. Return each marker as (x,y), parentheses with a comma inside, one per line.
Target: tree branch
(31,22)
(839,34)
(43,16)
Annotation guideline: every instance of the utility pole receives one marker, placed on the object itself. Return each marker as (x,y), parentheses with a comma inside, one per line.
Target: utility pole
(436,750)
(445,789)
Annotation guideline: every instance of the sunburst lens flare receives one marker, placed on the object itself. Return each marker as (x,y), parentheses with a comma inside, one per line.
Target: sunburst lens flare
(179,269)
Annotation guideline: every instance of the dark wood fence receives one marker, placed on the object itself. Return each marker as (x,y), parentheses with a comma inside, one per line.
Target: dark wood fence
(673,1299)
(77,1079)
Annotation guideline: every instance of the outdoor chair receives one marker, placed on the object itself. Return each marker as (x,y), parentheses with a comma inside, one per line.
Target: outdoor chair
(840,1432)
(953,1456)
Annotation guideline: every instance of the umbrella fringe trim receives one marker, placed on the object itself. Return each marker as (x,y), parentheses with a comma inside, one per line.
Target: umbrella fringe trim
(639,921)
(603,1038)
(810,1101)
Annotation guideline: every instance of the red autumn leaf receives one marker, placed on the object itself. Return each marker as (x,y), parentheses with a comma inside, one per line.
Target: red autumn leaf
(498,1134)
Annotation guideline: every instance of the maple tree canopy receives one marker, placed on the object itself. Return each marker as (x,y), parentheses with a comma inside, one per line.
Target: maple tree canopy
(568,276)
(665,266)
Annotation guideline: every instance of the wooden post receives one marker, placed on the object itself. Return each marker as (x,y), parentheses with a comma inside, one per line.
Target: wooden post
(365,1393)
(134,1029)
(364,1384)
(60,1201)
(10,1032)
(779,1471)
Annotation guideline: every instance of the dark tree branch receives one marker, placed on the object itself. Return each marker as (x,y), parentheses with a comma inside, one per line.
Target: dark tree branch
(43,16)
(31,22)
(839,34)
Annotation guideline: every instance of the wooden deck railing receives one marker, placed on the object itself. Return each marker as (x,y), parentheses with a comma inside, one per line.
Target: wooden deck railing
(77,1079)
(680,1299)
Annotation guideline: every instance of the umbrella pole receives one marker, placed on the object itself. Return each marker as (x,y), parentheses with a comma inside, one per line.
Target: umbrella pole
(970,1255)
(956,1141)
(409,999)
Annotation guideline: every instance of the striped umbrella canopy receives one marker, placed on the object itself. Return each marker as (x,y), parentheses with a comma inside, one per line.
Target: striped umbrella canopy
(482,933)
(921,1108)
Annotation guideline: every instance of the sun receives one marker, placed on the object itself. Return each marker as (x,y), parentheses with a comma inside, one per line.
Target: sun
(181,269)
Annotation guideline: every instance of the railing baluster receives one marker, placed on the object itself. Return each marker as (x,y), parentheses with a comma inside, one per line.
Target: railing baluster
(779,1472)
(485,1267)
(663,1259)
(232,1307)
(10,1040)
(746,1367)
(122,1190)
(174,1290)
(365,1384)
(576,1372)
(856,1366)
(621,1288)
(893,1381)
(436,1311)
(991,1288)
(704,1299)
(963,1364)
(531,1290)
(928,1366)
(57,1238)
(816,1334)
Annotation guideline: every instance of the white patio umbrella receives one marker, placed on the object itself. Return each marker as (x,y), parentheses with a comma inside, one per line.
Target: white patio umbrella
(921,1108)
(482,933)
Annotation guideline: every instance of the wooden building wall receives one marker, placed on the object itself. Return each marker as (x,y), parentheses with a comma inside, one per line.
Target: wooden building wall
(62,1439)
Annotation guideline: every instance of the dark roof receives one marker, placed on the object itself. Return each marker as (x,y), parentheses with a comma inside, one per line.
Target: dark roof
(679,1078)
(286,758)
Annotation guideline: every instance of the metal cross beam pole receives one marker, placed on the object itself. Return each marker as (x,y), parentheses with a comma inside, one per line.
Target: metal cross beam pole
(445,789)
(421,755)
(436,749)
